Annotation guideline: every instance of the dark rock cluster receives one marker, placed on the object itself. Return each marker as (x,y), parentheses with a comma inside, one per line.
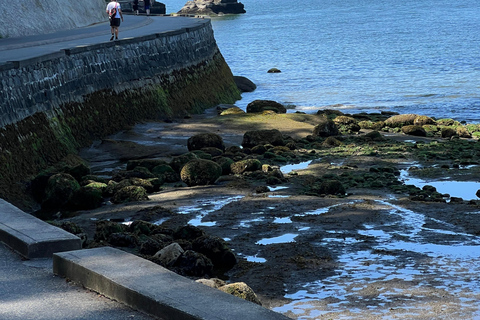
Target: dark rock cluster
(212,7)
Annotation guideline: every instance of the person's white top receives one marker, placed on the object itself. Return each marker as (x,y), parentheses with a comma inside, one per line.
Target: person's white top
(112,5)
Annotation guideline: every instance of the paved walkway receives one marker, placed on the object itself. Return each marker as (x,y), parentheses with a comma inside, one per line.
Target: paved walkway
(30,291)
(20,48)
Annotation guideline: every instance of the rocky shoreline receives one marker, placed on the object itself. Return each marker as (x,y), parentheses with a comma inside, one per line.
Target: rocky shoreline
(240,199)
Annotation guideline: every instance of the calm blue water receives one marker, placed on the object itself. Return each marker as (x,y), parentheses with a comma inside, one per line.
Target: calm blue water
(407,56)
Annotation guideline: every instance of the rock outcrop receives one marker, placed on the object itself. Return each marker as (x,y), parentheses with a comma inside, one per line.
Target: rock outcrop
(212,7)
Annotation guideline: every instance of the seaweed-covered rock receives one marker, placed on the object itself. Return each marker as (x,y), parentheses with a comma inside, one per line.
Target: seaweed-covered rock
(150,246)
(204,140)
(212,151)
(232,110)
(59,190)
(217,250)
(225,164)
(188,232)
(423,120)
(123,239)
(346,124)
(401,120)
(325,128)
(212,7)
(129,194)
(104,228)
(192,263)
(144,183)
(374,136)
(212,283)
(166,172)
(265,105)
(246,165)
(241,290)
(78,171)
(200,172)
(262,137)
(178,162)
(448,132)
(413,130)
(331,142)
(244,84)
(88,197)
(329,186)
(462,132)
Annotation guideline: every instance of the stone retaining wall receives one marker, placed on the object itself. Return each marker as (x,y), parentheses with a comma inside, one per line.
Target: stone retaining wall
(55,104)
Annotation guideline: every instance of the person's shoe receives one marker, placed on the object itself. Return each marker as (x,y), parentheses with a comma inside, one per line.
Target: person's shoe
(116,38)
(111,38)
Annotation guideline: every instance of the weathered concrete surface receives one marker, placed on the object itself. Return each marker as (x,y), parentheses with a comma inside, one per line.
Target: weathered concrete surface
(32,237)
(27,17)
(148,287)
(30,290)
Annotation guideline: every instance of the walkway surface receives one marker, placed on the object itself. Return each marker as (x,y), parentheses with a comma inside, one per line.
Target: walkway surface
(20,48)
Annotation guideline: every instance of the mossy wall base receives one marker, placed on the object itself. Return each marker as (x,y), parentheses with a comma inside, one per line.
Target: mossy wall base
(105,90)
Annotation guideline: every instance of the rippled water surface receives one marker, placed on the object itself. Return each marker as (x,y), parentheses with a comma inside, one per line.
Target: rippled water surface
(405,56)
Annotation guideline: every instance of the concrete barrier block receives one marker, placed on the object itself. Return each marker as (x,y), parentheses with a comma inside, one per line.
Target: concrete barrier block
(32,237)
(148,287)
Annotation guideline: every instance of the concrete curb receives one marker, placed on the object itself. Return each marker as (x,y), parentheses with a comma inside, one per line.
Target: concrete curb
(32,237)
(148,287)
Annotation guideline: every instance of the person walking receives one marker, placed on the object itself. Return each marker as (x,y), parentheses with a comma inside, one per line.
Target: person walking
(115,13)
(147,6)
(135,7)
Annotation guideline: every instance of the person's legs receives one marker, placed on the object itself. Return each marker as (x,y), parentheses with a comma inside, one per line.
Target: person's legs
(116,33)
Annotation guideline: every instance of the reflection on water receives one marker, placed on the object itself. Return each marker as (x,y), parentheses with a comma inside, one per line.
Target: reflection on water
(293,167)
(460,189)
(286,238)
(205,206)
(404,268)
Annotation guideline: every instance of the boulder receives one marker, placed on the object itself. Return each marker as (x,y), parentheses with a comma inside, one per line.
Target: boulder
(241,290)
(123,239)
(448,132)
(169,255)
(199,172)
(166,172)
(205,140)
(225,163)
(246,165)
(212,283)
(104,228)
(274,70)
(178,162)
(232,110)
(265,105)
(244,84)
(325,128)
(188,232)
(88,197)
(346,124)
(212,7)
(401,120)
(333,187)
(59,190)
(130,193)
(192,263)
(262,137)
(424,120)
(217,250)
(413,130)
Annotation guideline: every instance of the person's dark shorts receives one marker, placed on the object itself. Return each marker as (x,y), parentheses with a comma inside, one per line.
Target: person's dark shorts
(115,22)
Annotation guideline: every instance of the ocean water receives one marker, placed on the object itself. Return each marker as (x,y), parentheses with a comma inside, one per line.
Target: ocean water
(407,56)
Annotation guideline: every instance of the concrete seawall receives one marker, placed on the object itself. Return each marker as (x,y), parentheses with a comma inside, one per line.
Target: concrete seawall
(52,105)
